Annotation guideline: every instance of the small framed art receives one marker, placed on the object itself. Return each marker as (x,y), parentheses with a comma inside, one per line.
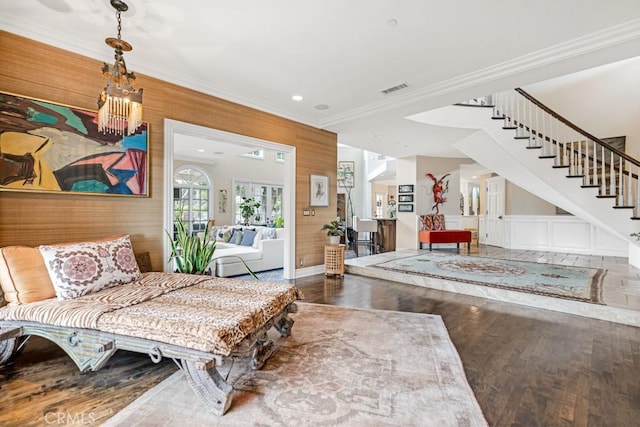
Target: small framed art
(405,188)
(319,190)
(405,207)
(405,198)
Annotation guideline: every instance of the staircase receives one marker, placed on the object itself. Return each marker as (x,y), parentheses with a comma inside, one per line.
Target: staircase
(537,149)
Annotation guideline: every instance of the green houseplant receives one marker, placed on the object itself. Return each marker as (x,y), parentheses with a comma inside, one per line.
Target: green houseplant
(192,255)
(248,208)
(334,231)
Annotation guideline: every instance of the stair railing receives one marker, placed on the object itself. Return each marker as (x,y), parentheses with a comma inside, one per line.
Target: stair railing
(597,163)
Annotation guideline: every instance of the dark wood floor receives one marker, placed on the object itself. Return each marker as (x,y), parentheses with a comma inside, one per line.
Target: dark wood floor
(527,367)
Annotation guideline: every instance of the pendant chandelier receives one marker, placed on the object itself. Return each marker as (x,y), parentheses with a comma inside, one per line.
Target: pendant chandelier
(119,104)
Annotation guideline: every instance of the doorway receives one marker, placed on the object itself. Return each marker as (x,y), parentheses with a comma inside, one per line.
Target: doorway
(173,127)
(495,202)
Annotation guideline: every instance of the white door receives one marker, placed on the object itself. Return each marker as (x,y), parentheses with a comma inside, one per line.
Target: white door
(495,200)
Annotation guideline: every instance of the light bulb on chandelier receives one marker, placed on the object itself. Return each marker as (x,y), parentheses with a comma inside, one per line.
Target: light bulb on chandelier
(119,104)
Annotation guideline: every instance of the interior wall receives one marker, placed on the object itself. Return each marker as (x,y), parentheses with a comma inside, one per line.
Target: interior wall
(439,166)
(520,202)
(37,70)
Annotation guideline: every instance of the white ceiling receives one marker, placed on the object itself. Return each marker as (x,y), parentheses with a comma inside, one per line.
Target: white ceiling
(343,53)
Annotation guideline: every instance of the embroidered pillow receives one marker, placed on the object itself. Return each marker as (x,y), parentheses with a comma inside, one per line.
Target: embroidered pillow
(83,268)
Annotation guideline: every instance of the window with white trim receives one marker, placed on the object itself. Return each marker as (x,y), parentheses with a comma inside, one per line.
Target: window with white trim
(192,197)
(269,196)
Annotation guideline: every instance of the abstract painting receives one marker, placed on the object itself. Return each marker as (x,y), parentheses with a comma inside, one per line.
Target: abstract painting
(48,147)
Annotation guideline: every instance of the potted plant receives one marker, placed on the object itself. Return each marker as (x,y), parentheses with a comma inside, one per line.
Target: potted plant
(334,231)
(192,255)
(345,178)
(278,222)
(248,208)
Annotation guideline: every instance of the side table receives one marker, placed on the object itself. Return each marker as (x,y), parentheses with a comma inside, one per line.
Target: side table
(334,260)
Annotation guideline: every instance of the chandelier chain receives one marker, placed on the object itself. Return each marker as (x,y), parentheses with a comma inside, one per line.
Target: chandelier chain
(119,24)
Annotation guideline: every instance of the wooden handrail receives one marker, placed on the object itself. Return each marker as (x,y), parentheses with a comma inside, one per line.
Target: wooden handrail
(576,128)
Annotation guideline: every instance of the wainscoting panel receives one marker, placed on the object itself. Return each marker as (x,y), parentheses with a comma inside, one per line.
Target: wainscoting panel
(554,233)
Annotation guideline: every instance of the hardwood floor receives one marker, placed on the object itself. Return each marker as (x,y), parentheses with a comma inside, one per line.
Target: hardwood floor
(527,366)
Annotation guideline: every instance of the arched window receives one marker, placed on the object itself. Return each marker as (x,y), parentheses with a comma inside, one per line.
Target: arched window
(192,197)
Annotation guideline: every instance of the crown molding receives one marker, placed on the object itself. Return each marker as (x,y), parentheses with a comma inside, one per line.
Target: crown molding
(589,43)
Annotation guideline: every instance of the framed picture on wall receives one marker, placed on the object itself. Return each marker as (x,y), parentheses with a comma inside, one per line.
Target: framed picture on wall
(346,172)
(405,198)
(405,188)
(405,207)
(319,190)
(56,148)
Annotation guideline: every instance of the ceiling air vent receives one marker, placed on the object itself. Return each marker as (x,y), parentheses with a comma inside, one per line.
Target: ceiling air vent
(395,88)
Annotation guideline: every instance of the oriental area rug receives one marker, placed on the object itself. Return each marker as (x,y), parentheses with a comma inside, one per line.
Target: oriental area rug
(339,367)
(576,283)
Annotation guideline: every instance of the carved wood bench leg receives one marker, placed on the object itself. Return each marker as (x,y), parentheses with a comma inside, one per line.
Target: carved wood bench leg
(284,325)
(8,350)
(206,381)
(262,349)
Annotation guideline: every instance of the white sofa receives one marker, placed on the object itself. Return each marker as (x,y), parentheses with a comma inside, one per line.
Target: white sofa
(262,254)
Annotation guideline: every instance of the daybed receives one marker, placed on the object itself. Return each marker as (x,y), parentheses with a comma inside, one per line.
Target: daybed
(91,300)
(261,248)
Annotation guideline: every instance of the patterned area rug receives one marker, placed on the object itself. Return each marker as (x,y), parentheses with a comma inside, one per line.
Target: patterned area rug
(577,283)
(340,367)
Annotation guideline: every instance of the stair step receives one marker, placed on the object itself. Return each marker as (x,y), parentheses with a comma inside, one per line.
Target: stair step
(623,207)
(520,137)
(560,166)
(498,117)
(534,147)
(509,127)
(548,156)
(575,176)
(612,196)
(590,186)
(635,218)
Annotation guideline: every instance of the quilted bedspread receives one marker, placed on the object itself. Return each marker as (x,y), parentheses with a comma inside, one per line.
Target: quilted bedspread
(205,313)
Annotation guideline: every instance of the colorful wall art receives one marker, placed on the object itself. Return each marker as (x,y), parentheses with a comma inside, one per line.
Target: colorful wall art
(48,147)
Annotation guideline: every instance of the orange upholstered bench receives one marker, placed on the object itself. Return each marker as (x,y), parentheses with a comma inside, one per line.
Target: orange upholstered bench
(445,236)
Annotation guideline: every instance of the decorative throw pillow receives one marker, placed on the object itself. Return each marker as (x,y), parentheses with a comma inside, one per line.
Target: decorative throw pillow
(23,275)
(256,241)
(83,268)
(248,237)
(432,222)
(224,235)
(269,233)
(236,237)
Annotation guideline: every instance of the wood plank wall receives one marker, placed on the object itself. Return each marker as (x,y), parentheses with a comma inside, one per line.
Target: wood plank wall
(40,71)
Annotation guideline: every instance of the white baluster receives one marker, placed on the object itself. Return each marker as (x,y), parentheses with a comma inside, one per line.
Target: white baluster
(612,175)
(586,177)
(603,184)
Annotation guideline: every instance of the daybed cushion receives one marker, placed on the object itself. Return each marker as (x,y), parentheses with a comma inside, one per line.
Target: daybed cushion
(23,275)
(82,268)
(205,313)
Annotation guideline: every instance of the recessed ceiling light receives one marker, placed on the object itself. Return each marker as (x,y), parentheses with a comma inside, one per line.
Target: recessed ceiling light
(200,150)
(297,97)
(321,107)
(392,22)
